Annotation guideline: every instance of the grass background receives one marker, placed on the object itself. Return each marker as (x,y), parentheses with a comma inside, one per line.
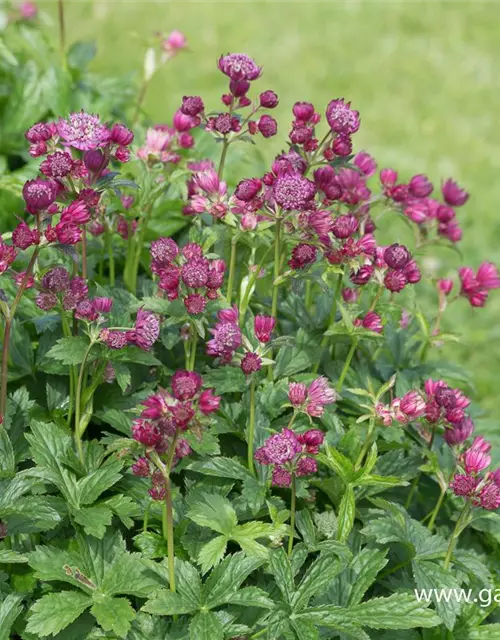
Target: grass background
(424,76)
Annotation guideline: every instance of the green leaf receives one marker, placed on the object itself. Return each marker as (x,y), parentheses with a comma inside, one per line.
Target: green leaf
(225,380)
(11,557)
(399,611)
(152,545)
(282,573)
(188,582)
(212,553)
(123,375)
(251,597)
(335,618)
(484,632)
(80,55)
(317,579)
(221,467)
(227,578)
(10,609)
(167,603)
(346,514)
(7,459)
(94,519)
(53,564)
(55,611)
(304,629)
(339,463)
(206,626)
(114,614)
(91,487)
(214,512)
(69,350)
(365,568)
(430,576)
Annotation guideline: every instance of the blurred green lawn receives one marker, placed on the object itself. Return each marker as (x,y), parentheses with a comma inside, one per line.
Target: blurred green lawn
(424,75)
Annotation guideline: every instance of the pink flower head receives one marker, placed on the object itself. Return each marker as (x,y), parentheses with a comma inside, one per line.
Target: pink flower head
(303,255)
(23,237)
(464,485)
(281,477)
(281,447)
(83,131)
(103,305)
(194,273)
(39,194)
(268,99)
(57,165)
(293,192)
(397,256)
(76,213)
(251,363)
(480,444)
(248,189)
(145,433)
(216,272)
(366,163)
(208,402)
(344,226)
(267,126)
(373,322)
(157,406)
(46,301)
(445,285)
(453,194)
(395,281)
(28,10)
(487,276)
(350,295)
(67,233)
(297,393)
(475,460)
(239,66)
(121,135)
(412,405)
(163,251)
(489,497)
(185,384)
(460,432)
(174,42)
(263,327)
(420,186)
(195,303)
(306,467)
(146,330)
(341,118)
(141,468)
(56,280)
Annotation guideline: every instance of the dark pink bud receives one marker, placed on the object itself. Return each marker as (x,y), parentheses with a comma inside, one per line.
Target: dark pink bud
(239,88)
(395,281)
(40,132)
(145,433)
(56,280)
(445,397)
(268,99)
(103,305)
(475,461)
(453,194)
(373,322)
(267,126)
(141,468)
(121,135)
(208,402)
(297,394)
(412,272)
(248,189)
(122,154)
(39,194)
(464,485)
(366,163)
(397,256)
(313,437)
(342,145)
(263,327)
(420,186)
(94,160)
(362,275)
(23,237)
(344,226)
(388,177)
(350,295)
(445,285)
(459,433)
(302,255)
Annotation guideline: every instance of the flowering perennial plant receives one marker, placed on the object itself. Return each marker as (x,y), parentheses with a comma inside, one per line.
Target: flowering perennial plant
(222,413)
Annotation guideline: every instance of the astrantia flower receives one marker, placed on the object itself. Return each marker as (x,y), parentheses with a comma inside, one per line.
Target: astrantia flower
(194,273)
(293,192)
(141,468)
(341,118)
(146,330)
(459,433)
(23,237)
(251,363)
(372,321)
(263,327)
(464,485)
(146,433)
(114,339)
(56,280)
(311,399)
(475,461)
(302,255)
(185,384)
(306,466)
(83,131)
(208,402)
(39,194)
(195,304)
(489,498)
(239,66)
(57,165)
(397,256)
(454,195)
(281,447)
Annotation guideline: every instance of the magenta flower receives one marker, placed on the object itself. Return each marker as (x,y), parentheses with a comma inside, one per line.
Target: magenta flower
(397,256)
(194,272)
(453,194)
(83,131)
(460,432)
(251,363)
(185,384)
(366,163)
(475,460)
(445,285)
(39,194)
(306,466)
(146,330)
(267,126)
(281,477)
(293,192)
(208,402)
(313,399)
(145,433)
(489,497)
(23,237)
(141,468)
(57,165)
(413,405)
(464,485)
(239,66)
(372,322)
(420,186)
(303,255)
(341,118)
(263,327)
(268,99)
(281,447)
(173,43)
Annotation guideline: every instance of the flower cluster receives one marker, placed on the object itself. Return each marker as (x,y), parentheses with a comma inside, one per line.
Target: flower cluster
(143,335)
(311,399)
(186,273)
(290,454)
(413,201)
(480,490)
(228,338)
(164,417)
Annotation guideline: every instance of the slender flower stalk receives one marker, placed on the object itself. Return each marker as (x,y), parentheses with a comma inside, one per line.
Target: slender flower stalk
(73,372)
(416,479)
(367,443)
(111,257)
(194,343)
(276,273)
(459,527)
(62,30)
(232,269)
(137,250)
(79,431)
(333,315)
(292,514)
(347,365)
(251,428)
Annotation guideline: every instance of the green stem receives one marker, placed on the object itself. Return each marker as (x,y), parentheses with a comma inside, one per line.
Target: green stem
(259,634)
(416,479)
(192,357)
(62,31)
(225,147)
(367,443)
(274,303)
(292,515)
(72,369)
(376,299)
(347,364)
(78,402)
(439,503)
(251,427)
(232,269)
(455,535)
(111,257)
(140,99)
